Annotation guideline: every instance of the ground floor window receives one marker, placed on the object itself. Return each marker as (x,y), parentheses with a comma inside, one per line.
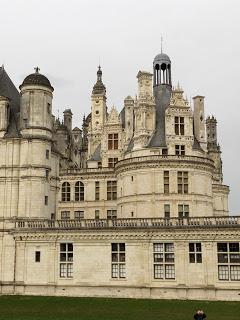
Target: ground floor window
(195,252)
(66,260)
(118,260)
(228,261)
(163,261)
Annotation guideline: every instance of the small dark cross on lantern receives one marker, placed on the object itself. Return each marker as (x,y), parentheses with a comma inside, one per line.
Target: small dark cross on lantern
(37,70)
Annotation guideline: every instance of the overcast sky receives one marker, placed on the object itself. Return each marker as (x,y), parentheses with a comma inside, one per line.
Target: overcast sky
(67,39)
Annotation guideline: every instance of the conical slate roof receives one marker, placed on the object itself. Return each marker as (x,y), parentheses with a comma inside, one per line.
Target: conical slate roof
(8,90)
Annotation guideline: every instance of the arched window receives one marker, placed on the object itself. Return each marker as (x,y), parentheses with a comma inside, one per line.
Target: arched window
(79,191)
(66,191)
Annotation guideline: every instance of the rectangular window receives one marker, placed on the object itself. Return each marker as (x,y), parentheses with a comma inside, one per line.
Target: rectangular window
(112,162)
(179,126)
(78,215)
(228,261)
(112,141)
(180,150)
(111,190)
(167,211)
(97,190)
(163,261)
(166,181)
(182,180)
(47,173)
(37,256)
(118,260)
(47,154)
(97,214)
(111,214)
(65,215)
(183,210)
(66,260)
(195,252)
(46,200)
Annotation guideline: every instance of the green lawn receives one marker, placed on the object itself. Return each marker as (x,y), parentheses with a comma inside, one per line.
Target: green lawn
(36,308)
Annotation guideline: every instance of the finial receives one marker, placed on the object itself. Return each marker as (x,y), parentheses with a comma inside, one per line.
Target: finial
(161,43)
(3,66)
(37,69)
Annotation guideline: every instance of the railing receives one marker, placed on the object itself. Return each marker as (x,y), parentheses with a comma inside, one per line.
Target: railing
(134,223)
(137,160)
(164,158)
(86,171)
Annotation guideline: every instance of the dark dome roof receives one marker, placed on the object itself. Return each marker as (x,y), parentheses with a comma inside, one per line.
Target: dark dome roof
(37,79)
(162,57)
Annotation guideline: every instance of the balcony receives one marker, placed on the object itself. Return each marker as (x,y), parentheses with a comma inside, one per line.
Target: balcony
(134,223)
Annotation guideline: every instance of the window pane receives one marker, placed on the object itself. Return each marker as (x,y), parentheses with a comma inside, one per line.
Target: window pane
(63,270)
(158,271)
(114,247)
(191,247)
(114,257)
(122,246)
(199,258)
(63,256)
(158,257)
(198,247)
(169,257)
(223,273)
(114,270)
(122,273)
(122,257)
(62,246)
(70,247)
(235,258)
(158,247)
(169,247)
(169,271)
(222,247)
(234,247)
(235,272)
(191,257)
(69,270)
(70,256)
(222,258)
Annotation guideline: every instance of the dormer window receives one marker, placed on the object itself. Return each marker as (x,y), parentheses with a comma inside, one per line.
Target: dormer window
(112,141)
(179,126)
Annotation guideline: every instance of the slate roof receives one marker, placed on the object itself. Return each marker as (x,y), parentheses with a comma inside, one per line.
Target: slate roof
(96,155)
(37,79)
(8,90)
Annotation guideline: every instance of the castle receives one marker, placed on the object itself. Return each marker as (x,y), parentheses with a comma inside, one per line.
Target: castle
(131,205)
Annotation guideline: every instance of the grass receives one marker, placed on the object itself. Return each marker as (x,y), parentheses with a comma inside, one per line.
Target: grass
(61,308)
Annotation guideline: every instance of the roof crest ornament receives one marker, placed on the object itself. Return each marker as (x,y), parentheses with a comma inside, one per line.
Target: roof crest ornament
(37,69)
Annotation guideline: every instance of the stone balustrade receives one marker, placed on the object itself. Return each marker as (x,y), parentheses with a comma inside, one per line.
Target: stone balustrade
(134,223)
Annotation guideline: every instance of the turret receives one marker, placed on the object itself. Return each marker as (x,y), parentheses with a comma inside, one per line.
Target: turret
(67,119)
(213,147)
(36,105)
(128,107)
(199,123)
(98,113)
(162,88)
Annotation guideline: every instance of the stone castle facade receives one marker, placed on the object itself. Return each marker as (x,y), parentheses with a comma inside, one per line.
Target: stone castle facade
(131,205)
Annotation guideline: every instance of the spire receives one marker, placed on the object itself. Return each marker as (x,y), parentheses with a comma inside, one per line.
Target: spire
(99,74)
(161,44)
(99,87)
